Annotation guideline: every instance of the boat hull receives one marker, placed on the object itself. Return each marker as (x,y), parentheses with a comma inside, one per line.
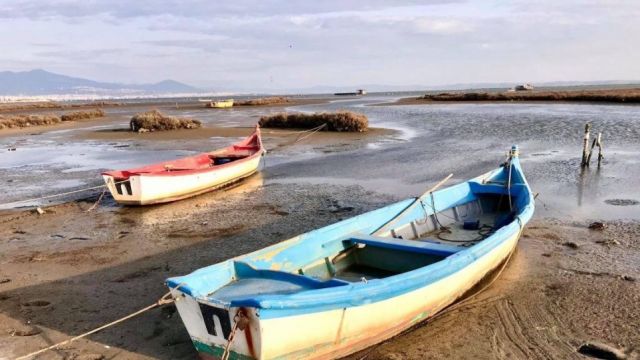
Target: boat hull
(339,289)
(222,104)
(339,332)
(150,189)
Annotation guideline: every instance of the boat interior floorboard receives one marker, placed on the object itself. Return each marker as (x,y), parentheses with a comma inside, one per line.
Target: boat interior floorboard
(357,272)
(456,235)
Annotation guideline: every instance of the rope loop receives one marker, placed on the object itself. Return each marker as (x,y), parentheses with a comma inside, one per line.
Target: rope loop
(240,322)
(164,300)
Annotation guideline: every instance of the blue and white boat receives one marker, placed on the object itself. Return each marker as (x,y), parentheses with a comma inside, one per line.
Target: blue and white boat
(339,289)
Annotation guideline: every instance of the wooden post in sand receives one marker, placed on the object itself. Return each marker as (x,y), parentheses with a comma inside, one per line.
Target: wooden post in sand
(600,154)
(585,146)
(596,142)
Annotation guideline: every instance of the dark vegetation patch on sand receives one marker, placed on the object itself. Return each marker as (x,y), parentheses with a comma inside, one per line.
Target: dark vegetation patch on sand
(154,120)
(21,121)
(83,115)
(609,96)
(337,121)
(274,100)
(45,105)
(622,202)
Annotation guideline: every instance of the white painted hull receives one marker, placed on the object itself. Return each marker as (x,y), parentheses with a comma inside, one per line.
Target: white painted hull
(144,189)
(335,333)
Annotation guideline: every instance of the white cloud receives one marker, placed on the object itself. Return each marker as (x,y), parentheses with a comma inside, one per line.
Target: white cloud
(441,26)
(305,43)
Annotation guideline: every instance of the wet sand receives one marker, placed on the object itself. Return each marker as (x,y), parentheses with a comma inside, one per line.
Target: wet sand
(612,96)
(275,137)
(67,271)
(121,111)
(551,298)
(421,101)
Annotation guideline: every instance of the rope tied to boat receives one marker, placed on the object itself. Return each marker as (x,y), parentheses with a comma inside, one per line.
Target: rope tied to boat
(303,131)
(311,132)
(240,322)
(95,204)
(509,183)
(64,194)
(164,300)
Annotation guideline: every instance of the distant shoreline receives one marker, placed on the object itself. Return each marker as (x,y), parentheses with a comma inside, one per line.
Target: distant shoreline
(52,108)
(617,96)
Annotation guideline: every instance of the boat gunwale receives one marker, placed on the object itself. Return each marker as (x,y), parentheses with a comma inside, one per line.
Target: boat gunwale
(187,172)
(375,290)
(259,151)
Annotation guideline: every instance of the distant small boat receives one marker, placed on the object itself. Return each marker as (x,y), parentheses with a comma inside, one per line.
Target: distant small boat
(222,103)
(217,103)
(339,289)
(189,176)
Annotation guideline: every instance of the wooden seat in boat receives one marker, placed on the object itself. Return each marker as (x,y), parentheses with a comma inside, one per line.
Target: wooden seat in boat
(422,247)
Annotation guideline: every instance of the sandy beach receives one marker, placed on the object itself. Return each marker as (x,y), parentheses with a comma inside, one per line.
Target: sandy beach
(67,271)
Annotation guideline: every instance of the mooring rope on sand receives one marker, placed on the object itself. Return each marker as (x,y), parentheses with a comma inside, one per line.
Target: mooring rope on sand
(303,131)
(54,195)
(66,193)
(164,300)
(302,135)
(95,204)
(311,132)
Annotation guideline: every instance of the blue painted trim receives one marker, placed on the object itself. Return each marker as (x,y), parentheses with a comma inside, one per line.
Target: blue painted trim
(244,271)
(406,245)
(295,253)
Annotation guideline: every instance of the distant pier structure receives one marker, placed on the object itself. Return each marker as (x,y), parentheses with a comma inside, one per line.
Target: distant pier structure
(523,87)
(357,92)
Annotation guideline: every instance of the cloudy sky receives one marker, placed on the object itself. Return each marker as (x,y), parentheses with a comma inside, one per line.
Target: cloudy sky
(296,44)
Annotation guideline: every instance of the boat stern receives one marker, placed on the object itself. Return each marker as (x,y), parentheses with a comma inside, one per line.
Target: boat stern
(215,329)
(216,326)
(125,190)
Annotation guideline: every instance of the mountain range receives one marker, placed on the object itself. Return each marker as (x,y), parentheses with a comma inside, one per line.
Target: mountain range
(41,82)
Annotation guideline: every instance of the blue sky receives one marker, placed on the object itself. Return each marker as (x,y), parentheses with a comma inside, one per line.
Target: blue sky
(297,44)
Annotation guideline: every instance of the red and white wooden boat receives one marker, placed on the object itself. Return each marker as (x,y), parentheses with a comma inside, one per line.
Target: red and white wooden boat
(185,177)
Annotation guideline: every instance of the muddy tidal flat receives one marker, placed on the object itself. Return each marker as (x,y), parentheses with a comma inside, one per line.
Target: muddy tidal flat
(630,95)
(67,270)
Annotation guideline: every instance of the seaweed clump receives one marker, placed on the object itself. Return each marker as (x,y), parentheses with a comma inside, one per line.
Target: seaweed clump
(83,115)
(338,121)
(22,121)
(274,100)
(154,120)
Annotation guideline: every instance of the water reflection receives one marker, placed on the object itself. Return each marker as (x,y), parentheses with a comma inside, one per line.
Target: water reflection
(588,181)
(158,214)
(464,139)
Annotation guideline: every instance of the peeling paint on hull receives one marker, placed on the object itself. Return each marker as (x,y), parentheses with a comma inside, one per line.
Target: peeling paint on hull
(186,177)
(297,304)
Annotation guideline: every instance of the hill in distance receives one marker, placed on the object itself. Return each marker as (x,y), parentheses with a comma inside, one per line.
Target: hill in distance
(41,82)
